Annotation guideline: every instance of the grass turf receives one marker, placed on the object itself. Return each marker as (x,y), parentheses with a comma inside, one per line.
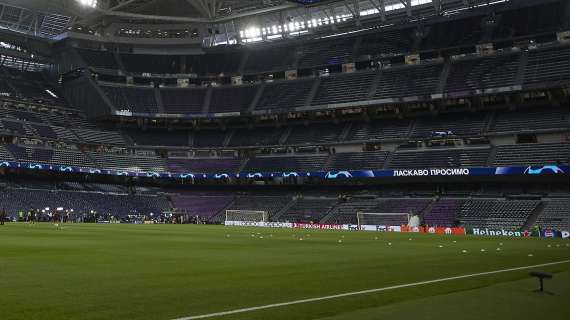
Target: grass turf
(169,271)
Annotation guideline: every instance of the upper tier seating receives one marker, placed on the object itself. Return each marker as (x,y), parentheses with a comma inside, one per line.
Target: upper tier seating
(344,88)
(285,164)
(5,155)
(386,43)
(100,137)
(256,137)
(99,59)
(214,63)
(271,59)
(232,98)
(285,94)
(550,65)
(143,63)
(183,100)
(462,124)
(315,133)
(159,137)
(508,214)
(357,161)
(128,162)
(204,165)
(533,154)
(480,73)
(408,81)
(135,99)
(379,130)
(532,119)
(327,52)
(446,158)
(209,138)
(50,156)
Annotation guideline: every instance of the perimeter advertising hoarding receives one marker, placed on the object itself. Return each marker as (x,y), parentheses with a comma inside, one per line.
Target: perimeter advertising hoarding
(330,175)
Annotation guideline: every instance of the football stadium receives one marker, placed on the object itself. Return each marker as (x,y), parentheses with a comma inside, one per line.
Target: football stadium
(280,159)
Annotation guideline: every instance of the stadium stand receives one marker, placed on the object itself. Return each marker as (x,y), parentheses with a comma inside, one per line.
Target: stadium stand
(285,94)
(133,99)
(470,125)
(483,73)
(128,162)
(232,99)
(204,165)
(118,205)
(441,158)
(270,204)
(183,100)
(204,206)
(496,213)
(357,161)
(548,65)
(379,130)
(408,81)
(98,59)
(443,213)
(308,209)
(159,137)
(533,154)
(542,119)
(305,163)
(555,215)
(256,137)
(315,133)
(344,88)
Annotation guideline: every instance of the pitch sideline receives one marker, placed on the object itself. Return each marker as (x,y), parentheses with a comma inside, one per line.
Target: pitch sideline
(354,293)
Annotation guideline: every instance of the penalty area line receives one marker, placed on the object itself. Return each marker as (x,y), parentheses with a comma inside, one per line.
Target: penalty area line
(355,293)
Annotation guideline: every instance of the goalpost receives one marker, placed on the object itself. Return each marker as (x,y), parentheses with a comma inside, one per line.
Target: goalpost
(245,217)
(382,219)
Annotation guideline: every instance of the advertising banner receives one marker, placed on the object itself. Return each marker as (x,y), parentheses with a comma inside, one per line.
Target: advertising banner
(318,226)
(330,175)
(549,233)
(259,224)
(498,233)
(446,230)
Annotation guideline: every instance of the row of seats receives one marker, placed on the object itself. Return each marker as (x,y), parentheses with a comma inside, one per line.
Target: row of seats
(492,213)
(16,200)
(466,75)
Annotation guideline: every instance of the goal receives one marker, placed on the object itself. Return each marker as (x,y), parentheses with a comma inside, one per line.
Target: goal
(367,219)
(244,217)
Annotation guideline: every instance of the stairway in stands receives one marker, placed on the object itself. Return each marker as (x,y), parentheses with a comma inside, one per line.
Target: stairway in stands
(534,216)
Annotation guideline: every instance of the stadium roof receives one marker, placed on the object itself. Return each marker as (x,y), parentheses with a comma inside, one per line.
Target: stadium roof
(49,18)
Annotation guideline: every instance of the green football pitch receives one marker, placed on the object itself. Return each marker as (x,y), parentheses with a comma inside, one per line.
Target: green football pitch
(88,271)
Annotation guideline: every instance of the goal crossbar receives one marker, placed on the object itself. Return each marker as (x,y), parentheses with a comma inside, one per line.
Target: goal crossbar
(360,214)
(254,215)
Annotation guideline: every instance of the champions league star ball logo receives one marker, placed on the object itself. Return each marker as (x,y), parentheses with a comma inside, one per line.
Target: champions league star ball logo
(543,170)
(338,175)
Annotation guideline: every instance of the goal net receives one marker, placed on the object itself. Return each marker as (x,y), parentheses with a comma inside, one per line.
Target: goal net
(245,217)
(367,220)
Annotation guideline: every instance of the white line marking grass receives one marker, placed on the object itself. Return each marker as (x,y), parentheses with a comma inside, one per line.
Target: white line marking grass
(355,293)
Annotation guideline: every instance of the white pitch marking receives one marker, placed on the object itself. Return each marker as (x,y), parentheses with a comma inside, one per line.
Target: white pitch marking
(355,293)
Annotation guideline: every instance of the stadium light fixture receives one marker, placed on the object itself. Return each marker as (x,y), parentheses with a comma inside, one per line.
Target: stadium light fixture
(88,3)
